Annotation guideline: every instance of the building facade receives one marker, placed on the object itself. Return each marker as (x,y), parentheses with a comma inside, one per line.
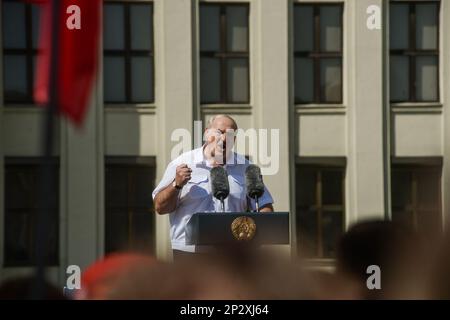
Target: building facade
(364,130)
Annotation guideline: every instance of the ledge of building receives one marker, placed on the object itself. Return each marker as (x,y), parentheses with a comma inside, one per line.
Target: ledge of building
(320,109)
(416,107)
(131,108)
(226,108)
(22,108)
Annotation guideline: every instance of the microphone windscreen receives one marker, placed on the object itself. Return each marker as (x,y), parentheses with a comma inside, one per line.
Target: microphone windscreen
(254,182)
(219,183)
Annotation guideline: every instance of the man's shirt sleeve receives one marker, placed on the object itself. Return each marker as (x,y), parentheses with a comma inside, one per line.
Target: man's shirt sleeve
(166,180)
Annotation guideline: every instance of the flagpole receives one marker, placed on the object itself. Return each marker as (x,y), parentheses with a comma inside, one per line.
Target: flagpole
(41,239)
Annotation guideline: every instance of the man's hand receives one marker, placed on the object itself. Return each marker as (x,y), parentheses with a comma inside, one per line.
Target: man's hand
(183,175)
(166,200)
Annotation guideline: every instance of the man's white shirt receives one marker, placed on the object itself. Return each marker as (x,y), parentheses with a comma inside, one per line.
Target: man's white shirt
(196,195)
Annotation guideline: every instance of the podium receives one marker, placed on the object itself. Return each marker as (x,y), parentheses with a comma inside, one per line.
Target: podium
(238,228)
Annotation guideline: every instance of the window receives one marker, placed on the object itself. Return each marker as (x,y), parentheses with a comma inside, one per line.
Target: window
(414,47)
(318,53)
(320,209)
(128,53)
(224,53)
(22,185)
(129,183)
(416,196)
(20,25)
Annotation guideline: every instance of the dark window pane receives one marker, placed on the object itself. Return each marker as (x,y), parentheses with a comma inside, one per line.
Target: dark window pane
(116,230)
(35,16)
(426,26)
(399,26)
(401,189)
(399,78)
(331,80)
(20,190)
(332,188)
(210,79)
(113,28)
(320,218)
(429,221)
(403,217)
(142,196)
(53,234)
(21,207)
(330,28)
(237,28)
(332,229)
(209,28)
(142,79)
(128,61)
(416,197)
(224,78)
(142,225)
(427,78)
(15,77)
(307,233)
(306,187)
(114,79)
(141,27)
(428,190)
(129,222)
(14,33)
(34,66)
(423,18)
(237,72)
(304,80)
(303,28)
(116,190)
(18,238)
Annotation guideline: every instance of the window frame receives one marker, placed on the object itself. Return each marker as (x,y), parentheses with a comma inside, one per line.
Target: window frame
(317,55)
(412,52)
(28,52)
(320,165)
(130,163)
(224,55)
(414,166)
(127,53)
(37,163)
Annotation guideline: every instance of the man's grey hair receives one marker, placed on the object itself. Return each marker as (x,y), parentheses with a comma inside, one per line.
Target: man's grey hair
(213,118)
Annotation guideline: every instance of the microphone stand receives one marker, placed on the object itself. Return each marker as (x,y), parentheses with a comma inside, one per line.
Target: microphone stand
(223,205)
(257,204)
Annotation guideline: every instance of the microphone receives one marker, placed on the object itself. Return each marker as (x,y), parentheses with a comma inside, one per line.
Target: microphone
(220,185)
(254,183)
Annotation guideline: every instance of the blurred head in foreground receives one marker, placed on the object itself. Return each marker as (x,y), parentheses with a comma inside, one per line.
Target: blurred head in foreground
(100,280)
(20,289)
(395,249)
(440,281)
(134,276)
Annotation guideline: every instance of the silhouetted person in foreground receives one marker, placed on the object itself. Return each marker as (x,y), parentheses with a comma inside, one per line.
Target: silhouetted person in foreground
(440,281)
(20,288)
(394,248)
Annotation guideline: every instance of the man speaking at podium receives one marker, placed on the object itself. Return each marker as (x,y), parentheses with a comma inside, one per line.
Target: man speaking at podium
(186,189)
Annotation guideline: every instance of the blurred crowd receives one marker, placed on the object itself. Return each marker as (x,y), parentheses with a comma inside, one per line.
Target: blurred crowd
(411,266)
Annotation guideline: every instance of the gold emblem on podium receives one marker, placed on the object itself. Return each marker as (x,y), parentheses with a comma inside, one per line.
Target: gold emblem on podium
(243,228)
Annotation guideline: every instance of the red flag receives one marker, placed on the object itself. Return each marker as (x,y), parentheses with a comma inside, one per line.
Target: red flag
(78,38)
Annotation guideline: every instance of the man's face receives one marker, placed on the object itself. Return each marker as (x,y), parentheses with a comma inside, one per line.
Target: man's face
(221,137)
